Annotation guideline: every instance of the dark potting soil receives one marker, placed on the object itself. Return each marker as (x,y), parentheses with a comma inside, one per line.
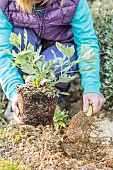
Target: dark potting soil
(36,105)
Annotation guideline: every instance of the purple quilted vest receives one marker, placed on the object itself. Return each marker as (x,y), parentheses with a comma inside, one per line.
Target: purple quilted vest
(53,26)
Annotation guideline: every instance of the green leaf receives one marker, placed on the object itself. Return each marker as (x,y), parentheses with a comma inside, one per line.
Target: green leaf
(87,68)
(24,54)
(55,57)
(62,125)
(85,48)
(66,79)
(70,51)
(14,54)
(19,39)
(60,119)
(28,69)
(16,40)
(39,65)
(56,126)
(43,66)
(30,47)
(44,81)
(49,65)
(87,54)
(65,50)
(36,57)
(76,62)
(25,39)
(66,69)
(30,78)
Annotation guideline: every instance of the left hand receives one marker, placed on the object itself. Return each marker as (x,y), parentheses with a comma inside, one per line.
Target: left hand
(15,109)
(95,99)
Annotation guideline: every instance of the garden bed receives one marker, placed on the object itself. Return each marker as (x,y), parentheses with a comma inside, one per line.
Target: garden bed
(43,148)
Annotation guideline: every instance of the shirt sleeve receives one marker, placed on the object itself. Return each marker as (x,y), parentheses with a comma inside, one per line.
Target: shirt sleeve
(83,30)
(9,77)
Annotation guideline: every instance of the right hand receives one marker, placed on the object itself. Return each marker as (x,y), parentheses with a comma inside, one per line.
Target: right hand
(15,109)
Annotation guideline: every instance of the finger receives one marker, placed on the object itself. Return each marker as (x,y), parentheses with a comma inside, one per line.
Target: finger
(102,101)
(96,107)
(15,108)
(85,105)
(17,119)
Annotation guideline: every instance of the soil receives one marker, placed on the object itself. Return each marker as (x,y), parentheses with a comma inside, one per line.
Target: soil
(85,144)
(37,105)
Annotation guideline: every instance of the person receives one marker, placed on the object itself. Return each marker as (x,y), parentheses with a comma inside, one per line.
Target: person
(46,22)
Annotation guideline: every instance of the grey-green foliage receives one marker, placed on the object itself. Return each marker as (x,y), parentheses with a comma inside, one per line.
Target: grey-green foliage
(41,72)
(102,12)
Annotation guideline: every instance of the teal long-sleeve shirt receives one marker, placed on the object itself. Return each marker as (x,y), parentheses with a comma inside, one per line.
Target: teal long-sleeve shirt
(82,27)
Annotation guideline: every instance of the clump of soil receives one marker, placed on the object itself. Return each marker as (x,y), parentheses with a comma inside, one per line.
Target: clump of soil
(79,125)
(88,137)
(36,105)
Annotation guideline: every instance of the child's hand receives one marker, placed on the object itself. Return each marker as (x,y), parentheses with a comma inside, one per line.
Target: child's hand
(16,110)
(95,99)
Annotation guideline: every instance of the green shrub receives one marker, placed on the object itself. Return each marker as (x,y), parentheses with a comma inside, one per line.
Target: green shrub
(7,165)
(102,12)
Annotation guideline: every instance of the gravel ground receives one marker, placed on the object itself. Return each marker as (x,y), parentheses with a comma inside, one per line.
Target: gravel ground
(74,148)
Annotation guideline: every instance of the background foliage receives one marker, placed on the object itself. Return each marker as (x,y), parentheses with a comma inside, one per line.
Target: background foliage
(102,12)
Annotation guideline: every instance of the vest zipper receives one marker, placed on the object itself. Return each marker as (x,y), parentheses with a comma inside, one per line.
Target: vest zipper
(41,27)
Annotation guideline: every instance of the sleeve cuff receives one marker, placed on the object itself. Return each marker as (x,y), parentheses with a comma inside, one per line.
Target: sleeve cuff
(13,95)
(92,89)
